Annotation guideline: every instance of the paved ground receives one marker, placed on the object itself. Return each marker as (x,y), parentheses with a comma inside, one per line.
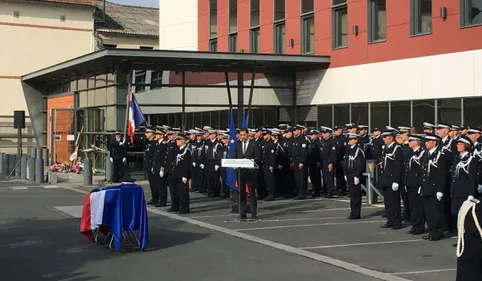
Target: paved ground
(307,240)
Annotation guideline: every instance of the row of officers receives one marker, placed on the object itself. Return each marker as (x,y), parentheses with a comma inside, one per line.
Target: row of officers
(432,173)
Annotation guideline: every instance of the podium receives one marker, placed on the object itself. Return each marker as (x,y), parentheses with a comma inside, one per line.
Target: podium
(238,165)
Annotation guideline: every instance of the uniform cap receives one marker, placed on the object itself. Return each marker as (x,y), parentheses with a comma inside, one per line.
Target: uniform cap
(427,125)
(222,131)
(212,131)
(118,132)
(350,125)
(337,128)
(207,128)
(181,137)
(389,131)
(267,132)
(415,137)
(361,127)
(197,129)
(464,127)
(376,130)
(149,129)
(403,129)
(176,129)
(274,133)
(326,130)
(443,126)
(165,127)
(432,137)
(352,136)
(315,132)
(465,140)
(473,131)
(454,128)
(283,126)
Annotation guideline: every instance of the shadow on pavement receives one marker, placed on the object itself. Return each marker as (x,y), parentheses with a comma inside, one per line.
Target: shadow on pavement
(52,250)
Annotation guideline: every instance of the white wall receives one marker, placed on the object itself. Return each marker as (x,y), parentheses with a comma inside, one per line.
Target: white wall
(178,25)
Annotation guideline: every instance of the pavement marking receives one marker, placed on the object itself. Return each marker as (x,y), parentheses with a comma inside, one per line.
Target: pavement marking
(424,271)
(17,187)
(73,211)
(212,216)
(304,225)
(360,244)
(51,186)
(307,254)
(296,219)
(340,209)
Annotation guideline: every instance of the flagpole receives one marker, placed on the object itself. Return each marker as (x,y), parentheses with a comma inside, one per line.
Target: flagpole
(129,90)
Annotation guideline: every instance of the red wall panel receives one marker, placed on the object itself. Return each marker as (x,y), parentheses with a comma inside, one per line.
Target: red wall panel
(203,25)
(243,25)
(293,26)
(223,25)
(266,29)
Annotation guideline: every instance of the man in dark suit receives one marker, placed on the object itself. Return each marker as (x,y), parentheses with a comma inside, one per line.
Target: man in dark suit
(118,154)
(247,149)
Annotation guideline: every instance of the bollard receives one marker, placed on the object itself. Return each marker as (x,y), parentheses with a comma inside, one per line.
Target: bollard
(39,168)
(11,165)
(33,152)
(109,169)
(5,163)
(31,169)
(18,162)
(23,168)
(87,172)
(45,157)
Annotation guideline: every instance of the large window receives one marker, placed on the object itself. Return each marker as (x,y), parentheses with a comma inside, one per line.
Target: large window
(400,114)
(359,113)
(420,16)
(213,18)
(156,79)
(233,16)
(254,19)
(379,115)
(470,12)
(213,45)
(140,78)
(307,27)
(377,20)
(325,116)
(255,42)
(341,114)
(449,111)
(340,23)
(279,27)
(472,112)
(423,111)
(233,42)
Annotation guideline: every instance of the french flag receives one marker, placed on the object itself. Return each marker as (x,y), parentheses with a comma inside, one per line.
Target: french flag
(92,217)
(136,117)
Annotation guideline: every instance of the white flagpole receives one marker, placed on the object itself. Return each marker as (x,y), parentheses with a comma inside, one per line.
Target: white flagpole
(128,105)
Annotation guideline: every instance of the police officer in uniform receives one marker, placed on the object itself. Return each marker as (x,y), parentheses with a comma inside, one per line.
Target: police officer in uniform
(413,180)
(289,183)
(223,154)
(160,188)
(213,164)
(259,139)
(180,176)
(407,152)
(168,167)
(298,159)
(391,178)
(474,135)
(268,163)
(354,162)
(314,161)
(341,142)
(434,177)
(149,153)
(328,159)
(118,154)
(197,148)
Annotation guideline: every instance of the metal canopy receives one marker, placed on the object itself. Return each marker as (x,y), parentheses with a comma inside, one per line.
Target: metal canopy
(108,60)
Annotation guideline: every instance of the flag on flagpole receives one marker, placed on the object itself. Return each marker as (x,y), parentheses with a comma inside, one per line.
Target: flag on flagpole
(230,173)
(136,117)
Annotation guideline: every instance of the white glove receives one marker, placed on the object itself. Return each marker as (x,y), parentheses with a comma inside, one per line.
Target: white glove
(470,198)
(202,166)
(152,170)
(161,174)
(184,180)
(123,160)
(479,188)
(216,167)
(394,186)
(419,189)
(280,167)
(406,190)
(345,178)
(356,180)
(111,160)
(194,164)
(439,196)
(121,143)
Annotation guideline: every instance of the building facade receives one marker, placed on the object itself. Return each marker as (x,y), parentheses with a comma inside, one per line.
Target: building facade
(392,62)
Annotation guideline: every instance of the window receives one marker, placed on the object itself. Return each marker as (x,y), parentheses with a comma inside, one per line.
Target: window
(308,34)
(254,20)
(213,45)
(325,116)
(271,116)
(233,42)
(472,112)
(279,10)
(341,114)
(255,44)
(379,115)
(470,12)
(156,79)
(279,38)
(140,78)
(233,16)
(359,113)
(449,111)
(377,20)
(421,16)
(400,113)
(423,111)
(340,23)
(307,6)
(213,18)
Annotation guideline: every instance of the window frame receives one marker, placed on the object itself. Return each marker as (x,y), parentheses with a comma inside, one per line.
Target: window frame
(213,42)
(274,13)
(156,80)
(229,17)
(464,12)
(251,13)
(231,48)
(373,22)
(255,45)
(279,48)
(334,26)
(305,18)
(209,21)
(139,74)
(415,17)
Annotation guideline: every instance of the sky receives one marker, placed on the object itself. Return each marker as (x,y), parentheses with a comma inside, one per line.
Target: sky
(144,3)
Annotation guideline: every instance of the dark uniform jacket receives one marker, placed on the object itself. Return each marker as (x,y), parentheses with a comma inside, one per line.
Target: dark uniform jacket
(118,149)
(464,176)
(268,153)
(477,153)
(298,151)
(377,148)
(212,151)
(364,144)
(182,163)
(327,151)
(170,157)
(149,154)
(313,153)
(159,157)
(413,168)
(197,149)
(449,148)
(341,142)
(434,170)
(392,165)
(354,161)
